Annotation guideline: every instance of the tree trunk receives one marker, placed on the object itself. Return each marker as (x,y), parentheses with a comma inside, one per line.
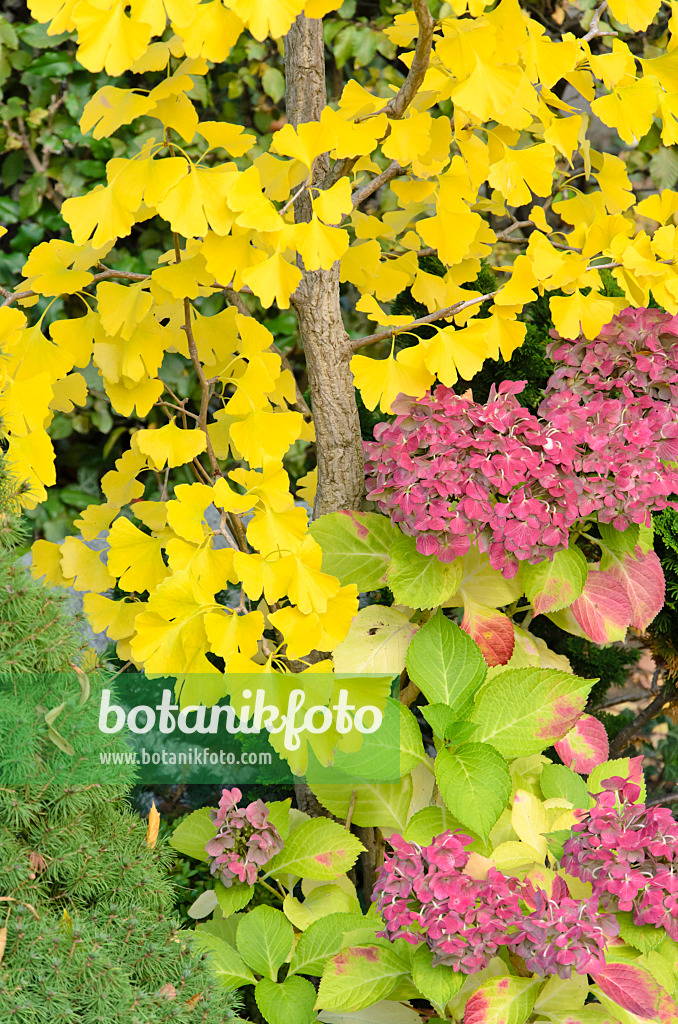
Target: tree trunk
(316,300)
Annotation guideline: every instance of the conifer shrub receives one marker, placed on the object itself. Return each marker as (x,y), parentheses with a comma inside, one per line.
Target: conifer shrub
(87,929)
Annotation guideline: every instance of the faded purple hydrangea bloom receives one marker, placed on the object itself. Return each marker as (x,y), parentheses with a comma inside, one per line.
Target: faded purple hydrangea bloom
(424,895)
(629,853)
(562,934)
(451,471)
(245,839)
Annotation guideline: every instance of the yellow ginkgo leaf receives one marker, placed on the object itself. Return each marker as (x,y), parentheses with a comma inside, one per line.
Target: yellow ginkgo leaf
(183,280)
(229,633)
(231,137)
(120,485)
(68,392)
(273,280)
(135,557)
(518,290)
(109,38)
(84,566)
(170,445)
(259,576)
(347,138)
(563,134)
(305,142)
(58,12)
(198,201)
(660,207)
(580,314)
(629,108)
(30,461)
(368,304)
(301,632)
(637,14)
(451,354)
(47,273)
(319,245)
(213,33)
(128,395)
(77,336)
(615,185)
(25,404)
(177,112)
(523,171)
(277,532)
(46,563)
(94,519)
(186,512)
(409,137)
(102,215)
(380,381)
(270,486)
(266,435)
(110,108)
(309,588)
(266,19)
(335,623)
(115,618)
(121,308)
(307,486)
(333,203)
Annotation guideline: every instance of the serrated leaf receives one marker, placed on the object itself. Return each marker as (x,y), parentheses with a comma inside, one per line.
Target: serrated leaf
(193,833)
(584,746)
(264,939)
(523,711)
(320,941)
(560,782)
(552,585)
(233,898)
(445,664)
(437,984)
(286,1002)
(502,1001)
(420,581)
(475,784)
(318,848)
(377,641)
(355,547)
(644,937)
(228,966)
(382,804)
(360,976)
(445,723)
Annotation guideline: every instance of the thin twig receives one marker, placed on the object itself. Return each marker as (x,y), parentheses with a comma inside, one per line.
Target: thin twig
(363,193)
(594,30)
(351,808)
(632,730)
(290,202)
(396,107)
(440,314)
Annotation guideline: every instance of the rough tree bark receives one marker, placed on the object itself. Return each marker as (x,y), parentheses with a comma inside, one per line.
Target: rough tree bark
(326,344)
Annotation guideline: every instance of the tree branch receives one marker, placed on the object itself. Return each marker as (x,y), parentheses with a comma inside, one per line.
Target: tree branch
(365,191)
(631,731)
(439,314)
(396,107)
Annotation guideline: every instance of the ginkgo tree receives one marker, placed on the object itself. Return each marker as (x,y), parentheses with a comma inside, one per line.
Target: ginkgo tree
(477,133)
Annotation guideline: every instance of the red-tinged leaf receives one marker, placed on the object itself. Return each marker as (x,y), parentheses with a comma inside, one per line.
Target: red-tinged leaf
(603,611)
(584,746)
(491,630)
(643,580)
(506,1000)
(631,987)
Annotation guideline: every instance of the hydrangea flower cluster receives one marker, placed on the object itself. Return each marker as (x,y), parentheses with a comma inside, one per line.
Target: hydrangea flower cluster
(245,839)
(424,895)
(629,854)
(635,354)
(451,471)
